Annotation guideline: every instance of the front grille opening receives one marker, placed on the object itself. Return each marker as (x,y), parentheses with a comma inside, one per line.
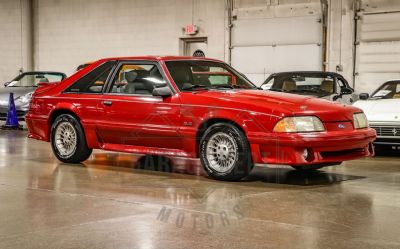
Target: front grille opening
(340,153)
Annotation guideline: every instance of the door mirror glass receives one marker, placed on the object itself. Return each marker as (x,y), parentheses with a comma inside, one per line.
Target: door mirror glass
(163,91)
(266,86)
(364,96)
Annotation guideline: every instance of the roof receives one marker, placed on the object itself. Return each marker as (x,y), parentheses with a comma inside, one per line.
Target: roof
(160,58)
(307,72)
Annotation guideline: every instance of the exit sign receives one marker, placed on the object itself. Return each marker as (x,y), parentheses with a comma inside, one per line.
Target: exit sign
(191,29)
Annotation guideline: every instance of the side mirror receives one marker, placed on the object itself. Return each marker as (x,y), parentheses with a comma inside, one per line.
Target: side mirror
(163,91)
(7,83)
(364,96)
(345,90)
(266,86)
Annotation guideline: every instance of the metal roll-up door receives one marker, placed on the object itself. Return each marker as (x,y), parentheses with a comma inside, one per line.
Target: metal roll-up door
(276,39)
(377,49)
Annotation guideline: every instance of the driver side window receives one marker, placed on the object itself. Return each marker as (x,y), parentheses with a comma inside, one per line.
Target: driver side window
(137,79)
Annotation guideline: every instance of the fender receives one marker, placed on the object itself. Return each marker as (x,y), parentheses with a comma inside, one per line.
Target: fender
(191,133)
(89,129)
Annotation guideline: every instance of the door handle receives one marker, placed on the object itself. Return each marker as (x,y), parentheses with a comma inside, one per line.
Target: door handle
(107,102)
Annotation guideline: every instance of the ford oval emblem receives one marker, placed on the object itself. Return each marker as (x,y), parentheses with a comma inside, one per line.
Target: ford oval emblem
(341,126)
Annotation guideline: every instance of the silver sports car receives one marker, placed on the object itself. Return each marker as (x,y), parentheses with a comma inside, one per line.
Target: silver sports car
(22,87)
(326,85)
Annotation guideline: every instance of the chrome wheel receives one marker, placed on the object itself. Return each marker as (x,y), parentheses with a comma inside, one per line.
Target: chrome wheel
(65,139)
(222,152)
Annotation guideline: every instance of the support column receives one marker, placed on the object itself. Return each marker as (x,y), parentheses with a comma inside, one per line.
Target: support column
(27,32)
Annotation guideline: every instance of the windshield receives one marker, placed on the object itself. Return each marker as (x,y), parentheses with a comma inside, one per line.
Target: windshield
(308,85)
(390,90)
(192,75)
(33,79)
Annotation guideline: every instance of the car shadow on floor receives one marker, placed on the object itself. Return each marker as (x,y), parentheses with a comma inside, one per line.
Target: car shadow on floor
(289,176)
(285,176)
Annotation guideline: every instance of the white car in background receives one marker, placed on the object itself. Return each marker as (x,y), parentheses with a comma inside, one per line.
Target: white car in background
(383,112)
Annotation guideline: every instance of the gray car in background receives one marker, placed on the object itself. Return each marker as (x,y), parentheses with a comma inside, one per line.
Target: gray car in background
(23,87)
(327,85)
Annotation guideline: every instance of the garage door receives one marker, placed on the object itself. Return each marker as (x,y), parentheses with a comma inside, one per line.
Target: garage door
(268,40)
(378,49)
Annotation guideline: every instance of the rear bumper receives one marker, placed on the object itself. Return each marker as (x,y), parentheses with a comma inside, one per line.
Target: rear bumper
(322,148)
(37,126)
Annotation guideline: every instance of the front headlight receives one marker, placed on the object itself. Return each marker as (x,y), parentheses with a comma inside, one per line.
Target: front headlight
(360,120)
(24,99)
(299,124)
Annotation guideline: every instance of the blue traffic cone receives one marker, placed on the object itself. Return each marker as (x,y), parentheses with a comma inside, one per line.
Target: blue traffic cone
(12,118)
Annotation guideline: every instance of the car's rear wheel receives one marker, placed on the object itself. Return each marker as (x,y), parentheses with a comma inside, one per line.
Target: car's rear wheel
(68,140)
(225,152)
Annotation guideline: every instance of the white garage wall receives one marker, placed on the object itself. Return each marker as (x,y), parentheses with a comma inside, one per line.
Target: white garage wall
(10,40)
(69,33)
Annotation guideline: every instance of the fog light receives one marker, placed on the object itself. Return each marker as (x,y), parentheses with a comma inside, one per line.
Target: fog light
(305,154)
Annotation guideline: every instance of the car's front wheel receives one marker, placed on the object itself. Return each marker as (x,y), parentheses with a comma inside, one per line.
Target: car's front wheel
(68,140)
(225,152)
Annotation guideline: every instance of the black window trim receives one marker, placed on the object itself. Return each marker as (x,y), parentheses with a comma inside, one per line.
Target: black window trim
(120,63)
(105,83)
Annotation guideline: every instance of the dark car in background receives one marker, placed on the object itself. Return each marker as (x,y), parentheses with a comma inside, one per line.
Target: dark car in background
(23,87)
(326,85)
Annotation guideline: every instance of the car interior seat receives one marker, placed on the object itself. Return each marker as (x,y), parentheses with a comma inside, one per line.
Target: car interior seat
(130,78)
(44,80)
(181,75)
(142,83)
(289,85)
(203,80)
(327,86)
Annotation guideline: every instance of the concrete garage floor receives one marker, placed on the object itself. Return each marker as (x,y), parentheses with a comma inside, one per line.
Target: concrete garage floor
(109,203)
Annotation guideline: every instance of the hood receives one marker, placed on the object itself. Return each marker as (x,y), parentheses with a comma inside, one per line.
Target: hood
(380,110)
(276,103)
(18,91)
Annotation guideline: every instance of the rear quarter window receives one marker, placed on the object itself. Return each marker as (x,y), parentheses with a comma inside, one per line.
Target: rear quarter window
(94,81)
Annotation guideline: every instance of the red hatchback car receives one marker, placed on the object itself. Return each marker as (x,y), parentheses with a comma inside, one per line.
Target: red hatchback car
(195,108)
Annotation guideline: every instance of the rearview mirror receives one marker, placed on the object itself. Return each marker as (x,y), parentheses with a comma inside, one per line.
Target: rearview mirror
(163,91)
(7,83)
(364,96)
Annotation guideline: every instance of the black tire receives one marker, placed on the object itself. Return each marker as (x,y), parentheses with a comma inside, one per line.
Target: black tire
(314,167)
(81,151)
(243,163)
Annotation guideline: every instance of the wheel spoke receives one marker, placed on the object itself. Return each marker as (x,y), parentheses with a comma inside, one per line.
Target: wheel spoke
(221,152)
(65,137)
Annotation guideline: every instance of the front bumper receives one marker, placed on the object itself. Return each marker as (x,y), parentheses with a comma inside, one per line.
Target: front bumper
(387,141)
(322,147)
(387,133)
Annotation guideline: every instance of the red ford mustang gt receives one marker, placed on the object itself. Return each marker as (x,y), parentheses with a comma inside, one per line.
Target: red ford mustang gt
(196,108)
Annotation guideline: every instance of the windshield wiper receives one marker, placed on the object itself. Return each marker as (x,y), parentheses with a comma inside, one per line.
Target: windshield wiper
(194,87)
